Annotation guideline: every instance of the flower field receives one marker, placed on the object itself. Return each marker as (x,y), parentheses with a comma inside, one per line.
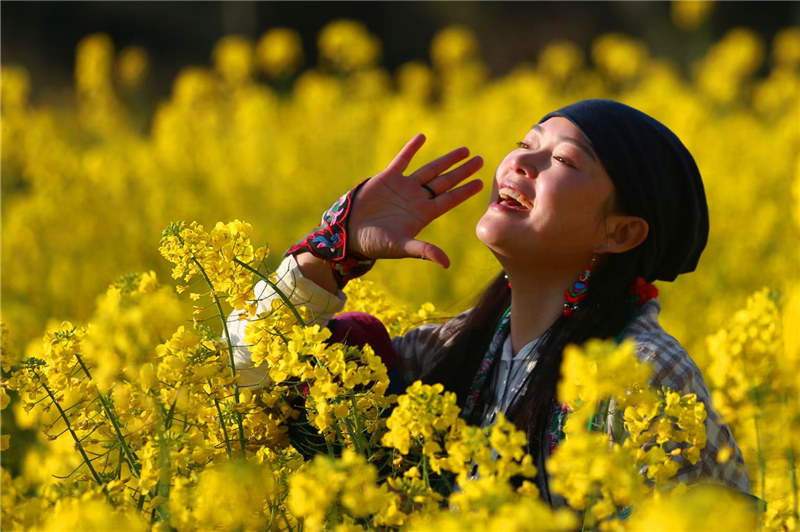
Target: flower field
(129,414)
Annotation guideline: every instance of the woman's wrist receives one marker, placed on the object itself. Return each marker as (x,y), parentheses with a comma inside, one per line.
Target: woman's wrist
(328,243)
(317,270)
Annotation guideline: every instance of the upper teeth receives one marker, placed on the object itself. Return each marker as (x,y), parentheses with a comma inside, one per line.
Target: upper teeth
(506,193)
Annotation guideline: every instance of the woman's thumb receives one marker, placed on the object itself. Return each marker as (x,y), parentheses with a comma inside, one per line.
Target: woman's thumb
(427,251)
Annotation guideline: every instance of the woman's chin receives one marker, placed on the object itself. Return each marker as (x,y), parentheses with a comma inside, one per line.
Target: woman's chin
(492,232)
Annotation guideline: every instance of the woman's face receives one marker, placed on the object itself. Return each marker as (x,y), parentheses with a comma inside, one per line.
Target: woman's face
(550,198)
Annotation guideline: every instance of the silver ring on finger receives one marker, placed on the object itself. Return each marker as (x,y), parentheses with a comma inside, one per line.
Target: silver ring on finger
(429,189)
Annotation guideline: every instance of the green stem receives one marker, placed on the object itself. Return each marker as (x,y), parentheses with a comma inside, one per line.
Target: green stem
(425,475)
(762,466)
(78,444)
(591,502)
(595,420)
(793,474)
(129,457)
(366,450)
(162,487)
(231,361)
(224,430)
(353,437)
(274,287)
(329,447)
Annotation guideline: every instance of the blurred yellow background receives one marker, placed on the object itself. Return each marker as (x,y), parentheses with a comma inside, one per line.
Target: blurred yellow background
(260,134)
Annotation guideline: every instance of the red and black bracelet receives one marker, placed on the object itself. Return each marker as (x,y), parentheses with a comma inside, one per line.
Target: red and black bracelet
(329,241)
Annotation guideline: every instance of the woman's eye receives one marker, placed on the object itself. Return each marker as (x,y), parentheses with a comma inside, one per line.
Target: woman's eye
(562,160)
(524,145)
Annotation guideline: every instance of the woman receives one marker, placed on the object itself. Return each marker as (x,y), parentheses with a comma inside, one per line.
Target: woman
(597,201)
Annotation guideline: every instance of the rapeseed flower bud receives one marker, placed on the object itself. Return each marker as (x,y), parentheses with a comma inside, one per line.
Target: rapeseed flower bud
(219,257)
(351,490)
(619,57)
(586,468)
(601,370)
(132,316)
(728,63)
(233,59)
(690,14)
(14,88)
(786,47)
(704,507)
(347,45)
(229,496)
(415,80)
(193,85)
(743,359)
(365,296)
(776,93)
(132,66)
(560,61)
(423,412)
(92,516)
(454,46)
(279,52)
(666,434)
(94,58)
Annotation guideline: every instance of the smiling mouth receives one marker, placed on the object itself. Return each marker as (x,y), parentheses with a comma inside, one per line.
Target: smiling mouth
(514,199)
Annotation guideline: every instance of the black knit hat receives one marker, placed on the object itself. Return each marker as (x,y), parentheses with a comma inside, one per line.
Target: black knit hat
(655,178)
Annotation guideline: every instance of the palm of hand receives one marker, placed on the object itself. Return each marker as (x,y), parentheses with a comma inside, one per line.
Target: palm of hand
(391,209)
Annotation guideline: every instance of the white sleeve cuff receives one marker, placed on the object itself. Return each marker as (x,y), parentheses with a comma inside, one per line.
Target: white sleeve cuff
(301,291)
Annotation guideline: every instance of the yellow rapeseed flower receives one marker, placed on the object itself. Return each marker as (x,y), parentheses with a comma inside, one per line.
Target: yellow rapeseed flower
(415,80)
(619,57)
(233,59)
(560,61)
(728,63)
(704,507)
(347,45)
(454,46)
(14,87)
(350,489)
(77,514)
(132,66)
(422,412)
(786,47)
(585,469)
(229,496)
(690,14)
(279,52)
(94,58)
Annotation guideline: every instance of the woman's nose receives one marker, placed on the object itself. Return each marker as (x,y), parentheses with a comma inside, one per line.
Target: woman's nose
(524,164)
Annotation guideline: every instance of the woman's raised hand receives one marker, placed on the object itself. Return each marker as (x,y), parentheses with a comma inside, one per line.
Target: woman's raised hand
(391,208)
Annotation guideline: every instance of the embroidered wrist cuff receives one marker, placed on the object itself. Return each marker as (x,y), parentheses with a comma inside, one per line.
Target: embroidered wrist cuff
(329,242)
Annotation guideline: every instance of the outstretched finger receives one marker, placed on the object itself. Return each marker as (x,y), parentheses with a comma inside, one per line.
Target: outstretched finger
(452,198)
(445,182)
(437,166)
(425,250)
(403,158)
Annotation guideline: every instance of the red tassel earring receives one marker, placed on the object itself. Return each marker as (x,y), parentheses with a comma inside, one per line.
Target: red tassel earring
(577,292)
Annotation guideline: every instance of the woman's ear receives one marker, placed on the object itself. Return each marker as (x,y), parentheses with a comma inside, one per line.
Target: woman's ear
(622,233)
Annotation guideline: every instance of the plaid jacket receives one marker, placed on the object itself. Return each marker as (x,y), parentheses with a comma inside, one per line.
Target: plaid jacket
(673,368)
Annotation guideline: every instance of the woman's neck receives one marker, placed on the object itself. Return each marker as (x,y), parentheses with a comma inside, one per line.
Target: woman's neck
(537,300)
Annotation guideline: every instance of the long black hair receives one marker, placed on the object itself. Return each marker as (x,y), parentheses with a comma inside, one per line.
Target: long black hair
(604,313)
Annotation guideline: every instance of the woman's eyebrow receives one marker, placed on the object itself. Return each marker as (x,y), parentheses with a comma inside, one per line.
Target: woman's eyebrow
(580,144)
